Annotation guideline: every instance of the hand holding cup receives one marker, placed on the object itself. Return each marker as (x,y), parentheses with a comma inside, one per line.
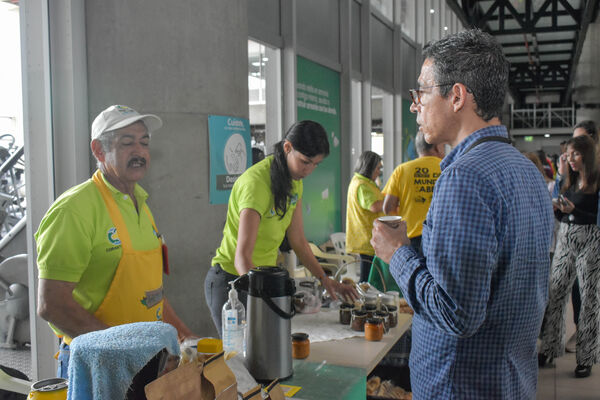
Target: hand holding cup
(389,233)
(392,221)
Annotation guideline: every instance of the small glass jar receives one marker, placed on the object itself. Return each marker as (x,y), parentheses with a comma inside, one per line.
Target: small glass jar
(346,313)
(370,310)
(370,299)
(299,301)
(387,300)
(300,345)
(384,315)
(358,320)
(396,296)
(393,316)
(374,329)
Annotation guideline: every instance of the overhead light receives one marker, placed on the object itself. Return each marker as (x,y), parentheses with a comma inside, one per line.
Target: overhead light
(546,135)
(431,11)
(265,59)
(445,28)
(256,63)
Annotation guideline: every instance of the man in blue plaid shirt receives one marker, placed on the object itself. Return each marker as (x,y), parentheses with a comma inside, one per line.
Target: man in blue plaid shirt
(480,290)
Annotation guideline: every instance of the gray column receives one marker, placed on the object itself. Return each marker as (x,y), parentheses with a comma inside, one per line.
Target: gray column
(37,125)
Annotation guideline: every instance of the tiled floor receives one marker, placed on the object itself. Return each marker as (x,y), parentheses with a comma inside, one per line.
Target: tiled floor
(559,383)
(17,359)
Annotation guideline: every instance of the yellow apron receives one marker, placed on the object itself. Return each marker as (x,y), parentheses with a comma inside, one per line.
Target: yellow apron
(136,292)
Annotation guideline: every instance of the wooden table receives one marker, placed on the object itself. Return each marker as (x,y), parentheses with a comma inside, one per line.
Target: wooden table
(341,367)
(357,351)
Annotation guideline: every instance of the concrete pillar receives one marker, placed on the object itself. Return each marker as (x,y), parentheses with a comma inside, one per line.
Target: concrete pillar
(182,62)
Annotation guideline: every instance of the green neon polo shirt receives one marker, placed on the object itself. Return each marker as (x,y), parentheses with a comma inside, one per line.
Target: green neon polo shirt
(253,190)
(77,241)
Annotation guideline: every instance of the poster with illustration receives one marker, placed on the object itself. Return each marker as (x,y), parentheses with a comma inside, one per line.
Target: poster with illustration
(230,154)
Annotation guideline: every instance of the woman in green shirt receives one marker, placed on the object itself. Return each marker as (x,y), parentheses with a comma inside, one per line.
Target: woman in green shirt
(264,207)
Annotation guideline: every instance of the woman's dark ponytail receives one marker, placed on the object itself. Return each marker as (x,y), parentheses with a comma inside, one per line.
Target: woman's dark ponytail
(281,181)
(306,137)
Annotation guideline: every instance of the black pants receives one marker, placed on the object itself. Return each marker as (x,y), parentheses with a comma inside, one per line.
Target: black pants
(576,299)
(216,292)
(365,267)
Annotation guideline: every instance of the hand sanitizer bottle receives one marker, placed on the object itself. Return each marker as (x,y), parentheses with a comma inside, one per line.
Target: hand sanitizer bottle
(233,320)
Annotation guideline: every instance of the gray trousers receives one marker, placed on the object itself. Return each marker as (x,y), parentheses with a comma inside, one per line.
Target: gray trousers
(577,255)
(216,292)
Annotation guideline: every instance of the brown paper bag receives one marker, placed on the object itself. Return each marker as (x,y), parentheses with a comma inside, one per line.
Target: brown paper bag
(253,394)
(183,383)
(218,380)
(275,391)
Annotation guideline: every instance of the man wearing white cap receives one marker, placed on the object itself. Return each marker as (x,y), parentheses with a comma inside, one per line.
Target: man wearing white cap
(100,255)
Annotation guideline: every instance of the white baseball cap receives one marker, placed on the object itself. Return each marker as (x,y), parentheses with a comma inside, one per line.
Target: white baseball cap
(118,116)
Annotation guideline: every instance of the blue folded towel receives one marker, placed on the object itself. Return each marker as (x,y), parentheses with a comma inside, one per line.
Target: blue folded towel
(103,363)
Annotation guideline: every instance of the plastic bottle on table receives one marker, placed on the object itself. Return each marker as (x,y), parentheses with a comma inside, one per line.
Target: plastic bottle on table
(233,320)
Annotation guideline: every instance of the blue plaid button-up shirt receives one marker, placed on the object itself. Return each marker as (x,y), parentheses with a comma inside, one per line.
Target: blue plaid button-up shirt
(480,291)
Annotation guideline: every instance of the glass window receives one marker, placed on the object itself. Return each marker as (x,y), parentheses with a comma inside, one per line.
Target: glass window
(421,22)
(407,18)
(12,180)
(356,122)
(385,7)
(382,127)
(448,22)
(264,89)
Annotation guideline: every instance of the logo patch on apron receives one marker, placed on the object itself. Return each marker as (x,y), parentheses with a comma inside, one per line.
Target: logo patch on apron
(153,297)
(112,236)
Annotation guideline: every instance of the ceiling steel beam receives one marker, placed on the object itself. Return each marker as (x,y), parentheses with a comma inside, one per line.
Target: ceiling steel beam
(547,14)
(539,42)
(540,12)
(574,13)
(490,12)
(588,12)
(542,53)
(532,30)
(460,13)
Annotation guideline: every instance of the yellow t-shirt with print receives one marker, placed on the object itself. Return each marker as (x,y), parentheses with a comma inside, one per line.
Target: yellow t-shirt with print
(362,193)
(253,190)
(77,240)
(412,183)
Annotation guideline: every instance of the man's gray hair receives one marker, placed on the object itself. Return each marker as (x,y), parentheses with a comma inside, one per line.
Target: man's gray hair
(106,140)
(475,59)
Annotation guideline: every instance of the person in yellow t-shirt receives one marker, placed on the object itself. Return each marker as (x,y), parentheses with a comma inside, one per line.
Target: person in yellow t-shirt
(100,255)
(365,203)
(264,207)
(409,190)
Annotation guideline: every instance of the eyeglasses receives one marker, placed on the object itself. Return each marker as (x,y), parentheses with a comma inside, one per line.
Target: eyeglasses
(415,94)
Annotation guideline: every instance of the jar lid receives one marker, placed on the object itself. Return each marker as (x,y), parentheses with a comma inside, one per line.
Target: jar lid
(359,313)
(392,308)
(299,336)
(381,313)
(209,345)
(346,305)
(49,385)
(370,307)
(374,321)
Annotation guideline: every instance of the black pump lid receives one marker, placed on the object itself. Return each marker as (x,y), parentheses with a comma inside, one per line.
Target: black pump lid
(270,282)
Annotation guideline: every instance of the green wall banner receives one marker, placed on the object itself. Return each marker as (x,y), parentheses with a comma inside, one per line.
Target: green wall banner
(230,154)
(318,99)
(409,132)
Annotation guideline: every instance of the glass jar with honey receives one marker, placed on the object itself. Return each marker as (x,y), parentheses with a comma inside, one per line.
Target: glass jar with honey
(300,345)
(374,329)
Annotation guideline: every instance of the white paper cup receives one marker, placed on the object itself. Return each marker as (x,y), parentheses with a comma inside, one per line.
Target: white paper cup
(391,220)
